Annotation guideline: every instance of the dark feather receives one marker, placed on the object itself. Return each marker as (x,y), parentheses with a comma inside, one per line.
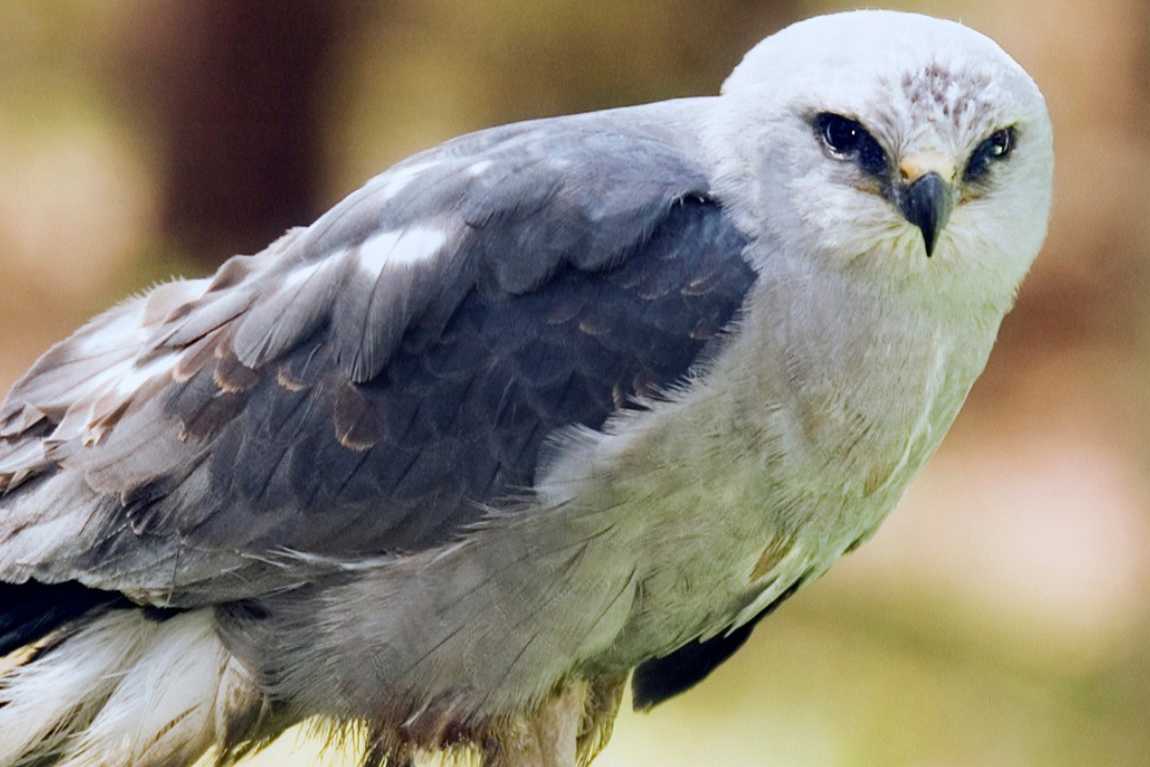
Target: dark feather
(30,611)
(659,679)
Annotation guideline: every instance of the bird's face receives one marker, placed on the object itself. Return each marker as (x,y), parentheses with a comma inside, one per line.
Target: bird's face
(898,146)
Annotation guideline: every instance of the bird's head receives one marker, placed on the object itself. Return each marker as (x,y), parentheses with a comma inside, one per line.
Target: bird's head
(892,144)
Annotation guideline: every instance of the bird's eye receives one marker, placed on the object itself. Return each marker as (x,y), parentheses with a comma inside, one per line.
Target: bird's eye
(847,139)
(842,135)
(997,147)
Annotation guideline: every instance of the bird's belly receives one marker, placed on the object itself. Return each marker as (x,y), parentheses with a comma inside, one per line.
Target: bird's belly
(725,547)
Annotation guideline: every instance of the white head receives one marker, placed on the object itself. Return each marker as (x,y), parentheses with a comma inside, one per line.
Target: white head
(896,145)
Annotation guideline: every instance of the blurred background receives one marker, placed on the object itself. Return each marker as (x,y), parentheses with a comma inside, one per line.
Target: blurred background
(1002,615)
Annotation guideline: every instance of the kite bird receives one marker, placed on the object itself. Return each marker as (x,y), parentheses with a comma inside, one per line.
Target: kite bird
(532,410)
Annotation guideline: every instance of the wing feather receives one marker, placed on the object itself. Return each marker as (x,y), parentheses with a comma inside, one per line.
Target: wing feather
(371,383)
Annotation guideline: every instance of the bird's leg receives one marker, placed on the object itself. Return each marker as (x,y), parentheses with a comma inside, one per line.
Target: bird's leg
(545,738)
(599,711)
(385,750)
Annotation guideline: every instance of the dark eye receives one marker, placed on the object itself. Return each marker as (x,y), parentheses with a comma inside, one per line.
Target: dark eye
(997,147)
(847,139)
(842,135)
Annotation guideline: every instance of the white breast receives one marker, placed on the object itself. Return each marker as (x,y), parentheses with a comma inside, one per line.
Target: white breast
(795,445)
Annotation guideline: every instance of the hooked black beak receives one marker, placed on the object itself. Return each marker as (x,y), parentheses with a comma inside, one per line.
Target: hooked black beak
(926,202)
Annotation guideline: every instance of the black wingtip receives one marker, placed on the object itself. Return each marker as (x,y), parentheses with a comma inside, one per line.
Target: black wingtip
(30,611)
(660,679)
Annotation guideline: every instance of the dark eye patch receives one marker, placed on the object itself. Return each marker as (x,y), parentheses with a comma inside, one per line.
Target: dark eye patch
(995,147)
(847,139)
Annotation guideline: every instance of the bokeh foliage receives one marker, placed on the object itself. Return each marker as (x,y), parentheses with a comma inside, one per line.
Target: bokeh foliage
(999,618)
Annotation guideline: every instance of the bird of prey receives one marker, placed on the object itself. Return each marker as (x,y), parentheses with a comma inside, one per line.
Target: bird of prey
(541,409)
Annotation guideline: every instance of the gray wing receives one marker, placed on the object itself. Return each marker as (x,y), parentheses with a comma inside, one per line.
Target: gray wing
(372,383)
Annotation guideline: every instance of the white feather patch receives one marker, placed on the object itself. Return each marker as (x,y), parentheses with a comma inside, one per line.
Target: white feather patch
(42,703)
(126,690)
(403,247)
(476,169)
(161,711)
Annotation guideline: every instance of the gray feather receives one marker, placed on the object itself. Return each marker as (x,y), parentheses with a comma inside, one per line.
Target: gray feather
(372,383)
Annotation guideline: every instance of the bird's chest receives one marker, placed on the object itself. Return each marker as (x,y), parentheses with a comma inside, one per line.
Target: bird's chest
(859,423)
(768,480)
(849,389)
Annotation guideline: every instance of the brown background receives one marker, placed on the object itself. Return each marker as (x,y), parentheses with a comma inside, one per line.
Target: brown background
(1001,617)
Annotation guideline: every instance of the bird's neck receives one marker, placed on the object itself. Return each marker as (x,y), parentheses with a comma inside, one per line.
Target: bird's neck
(844,375)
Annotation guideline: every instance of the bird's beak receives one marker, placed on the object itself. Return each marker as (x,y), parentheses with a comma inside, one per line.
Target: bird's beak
(926,194)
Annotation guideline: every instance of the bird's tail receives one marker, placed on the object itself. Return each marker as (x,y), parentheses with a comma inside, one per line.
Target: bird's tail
(119,687)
